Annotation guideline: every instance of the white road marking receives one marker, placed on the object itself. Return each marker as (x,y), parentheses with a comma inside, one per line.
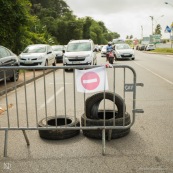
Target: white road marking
(170,82)
(51,98)
(90,80)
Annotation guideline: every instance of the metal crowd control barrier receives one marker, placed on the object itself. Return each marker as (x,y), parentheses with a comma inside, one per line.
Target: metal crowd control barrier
(41,98)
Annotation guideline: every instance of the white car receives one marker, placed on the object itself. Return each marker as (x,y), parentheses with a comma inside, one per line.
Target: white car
(37,55)
(124,51)
(150,47)
(103,51)
(80,52)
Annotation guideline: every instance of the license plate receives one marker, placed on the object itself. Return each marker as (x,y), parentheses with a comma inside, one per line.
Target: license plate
(28,62)
(126,54)
(76,62)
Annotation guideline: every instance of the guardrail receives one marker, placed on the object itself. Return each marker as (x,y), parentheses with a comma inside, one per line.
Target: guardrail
(31,103)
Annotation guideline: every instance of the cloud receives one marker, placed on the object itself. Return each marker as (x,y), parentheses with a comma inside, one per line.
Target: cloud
(126,16)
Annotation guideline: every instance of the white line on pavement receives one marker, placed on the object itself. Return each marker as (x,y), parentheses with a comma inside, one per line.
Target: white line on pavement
(155,73)
(51,98)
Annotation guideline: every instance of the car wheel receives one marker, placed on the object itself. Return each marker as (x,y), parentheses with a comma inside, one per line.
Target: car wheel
(97,134)
(60,133)
(92,104)
(15,76)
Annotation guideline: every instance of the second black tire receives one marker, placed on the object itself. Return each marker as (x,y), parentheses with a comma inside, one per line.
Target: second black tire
(92,104)
(97,134)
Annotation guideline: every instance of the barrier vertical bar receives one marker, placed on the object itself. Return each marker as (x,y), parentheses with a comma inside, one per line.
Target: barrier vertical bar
(26,103)
(17,109)
(65,106)
(124,97)
(103,142)
(35,93)
(45,96)
(5,143)
(55,96)
(8,118)
(74,86)
(26,137)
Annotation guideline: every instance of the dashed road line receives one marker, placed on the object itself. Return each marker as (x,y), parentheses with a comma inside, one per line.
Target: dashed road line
(51,98)
(168,81)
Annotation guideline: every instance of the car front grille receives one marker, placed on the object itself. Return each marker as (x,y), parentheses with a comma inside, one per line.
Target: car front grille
(126,56)
(33,64)
(76,59)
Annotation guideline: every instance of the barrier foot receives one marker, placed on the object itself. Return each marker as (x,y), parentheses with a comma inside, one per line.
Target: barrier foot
(5,143)
(26,137)
(103,142)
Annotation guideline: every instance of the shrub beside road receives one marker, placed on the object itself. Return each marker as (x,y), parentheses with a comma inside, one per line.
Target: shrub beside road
(163,50)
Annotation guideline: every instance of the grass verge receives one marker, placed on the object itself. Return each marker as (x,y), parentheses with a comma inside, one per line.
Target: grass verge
(163,50)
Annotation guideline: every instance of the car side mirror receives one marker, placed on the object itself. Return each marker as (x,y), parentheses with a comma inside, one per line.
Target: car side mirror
(49,52)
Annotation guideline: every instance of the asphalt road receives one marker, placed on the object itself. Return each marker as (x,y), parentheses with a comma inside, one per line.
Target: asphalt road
(148,147)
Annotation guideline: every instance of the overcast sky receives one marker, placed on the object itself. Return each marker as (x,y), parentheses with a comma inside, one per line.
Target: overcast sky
(126,17)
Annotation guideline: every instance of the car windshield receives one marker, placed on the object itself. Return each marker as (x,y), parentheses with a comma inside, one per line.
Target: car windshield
(122,46)
(57,48)
(35,49)
(77,47)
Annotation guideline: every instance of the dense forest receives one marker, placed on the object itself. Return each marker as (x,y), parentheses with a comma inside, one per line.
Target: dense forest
(25,22)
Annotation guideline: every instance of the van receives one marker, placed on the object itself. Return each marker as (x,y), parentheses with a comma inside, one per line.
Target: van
(80,52)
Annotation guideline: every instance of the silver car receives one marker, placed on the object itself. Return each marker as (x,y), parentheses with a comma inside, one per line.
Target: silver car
(80,52)
(124,51)
(103,51)
(37,55)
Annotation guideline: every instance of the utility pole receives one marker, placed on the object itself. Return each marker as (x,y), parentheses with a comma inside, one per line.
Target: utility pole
(152,18)
(141,32)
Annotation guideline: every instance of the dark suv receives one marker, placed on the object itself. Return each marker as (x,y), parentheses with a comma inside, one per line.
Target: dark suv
(8,58)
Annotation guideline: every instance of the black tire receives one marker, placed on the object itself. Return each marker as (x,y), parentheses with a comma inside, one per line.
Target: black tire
(92,104)
(97,134)
(15,76)
(58,134)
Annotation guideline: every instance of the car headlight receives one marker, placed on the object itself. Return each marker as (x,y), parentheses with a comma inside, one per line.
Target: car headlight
(87,55)
(39,58)
(65,57)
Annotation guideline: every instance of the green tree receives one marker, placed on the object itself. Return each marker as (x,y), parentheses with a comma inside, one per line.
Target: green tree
(158,29)
(14,16)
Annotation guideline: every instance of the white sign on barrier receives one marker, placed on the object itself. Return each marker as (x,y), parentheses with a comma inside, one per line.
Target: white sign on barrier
(92,80)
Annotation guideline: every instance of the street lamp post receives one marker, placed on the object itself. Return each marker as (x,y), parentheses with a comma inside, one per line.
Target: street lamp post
(141,32)
(152,18)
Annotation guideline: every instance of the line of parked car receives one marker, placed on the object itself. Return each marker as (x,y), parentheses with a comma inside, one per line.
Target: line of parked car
(147,47)
(76,52)
(32,55)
